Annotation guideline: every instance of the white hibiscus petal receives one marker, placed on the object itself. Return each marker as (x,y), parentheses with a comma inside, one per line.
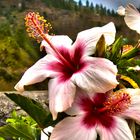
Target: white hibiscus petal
(98,76)
(46,131)
(120,131)
(109,32)
(90,37)
(37,73)
(133,110)
(71,129)
(121,10)
(61,96)
(57,41)
(132,17)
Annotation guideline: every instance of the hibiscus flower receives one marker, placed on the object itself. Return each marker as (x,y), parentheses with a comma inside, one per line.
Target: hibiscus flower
(70,65)
(100,113)
(132,16)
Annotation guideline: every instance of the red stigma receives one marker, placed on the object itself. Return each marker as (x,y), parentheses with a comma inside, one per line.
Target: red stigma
(117,102)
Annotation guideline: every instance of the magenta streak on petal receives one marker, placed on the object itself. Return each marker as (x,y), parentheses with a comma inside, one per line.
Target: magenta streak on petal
(92,114)
(76,61)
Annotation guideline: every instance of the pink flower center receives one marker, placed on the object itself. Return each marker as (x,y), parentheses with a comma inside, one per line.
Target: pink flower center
(102,108)
(75,60)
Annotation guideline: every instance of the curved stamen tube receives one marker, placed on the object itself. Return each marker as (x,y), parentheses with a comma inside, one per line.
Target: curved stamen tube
(35,27)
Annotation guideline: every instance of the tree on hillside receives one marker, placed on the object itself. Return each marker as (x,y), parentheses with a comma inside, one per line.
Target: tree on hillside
(63,4)
(80,3)
(97,8)
(71,4)
(105,10)
(113,13)
(87,3)
(108,12)
(91,6)
(102,10)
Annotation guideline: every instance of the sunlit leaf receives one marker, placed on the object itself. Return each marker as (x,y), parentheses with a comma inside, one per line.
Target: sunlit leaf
(129,80)
(20,130)
(33,108)
(2,138)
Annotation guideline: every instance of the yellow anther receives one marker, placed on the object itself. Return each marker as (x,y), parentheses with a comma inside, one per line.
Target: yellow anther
(117,102)
(36,25)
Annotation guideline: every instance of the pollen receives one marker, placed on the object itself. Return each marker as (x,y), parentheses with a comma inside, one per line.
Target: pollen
(37,26)
(118,102)
(127,48)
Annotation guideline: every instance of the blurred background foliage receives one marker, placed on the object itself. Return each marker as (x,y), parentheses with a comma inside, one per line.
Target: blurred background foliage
(18,52)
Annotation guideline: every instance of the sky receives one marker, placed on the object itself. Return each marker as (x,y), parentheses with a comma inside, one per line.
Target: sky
(113,4)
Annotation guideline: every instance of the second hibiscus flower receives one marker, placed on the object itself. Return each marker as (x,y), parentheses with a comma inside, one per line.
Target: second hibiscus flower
(98,113)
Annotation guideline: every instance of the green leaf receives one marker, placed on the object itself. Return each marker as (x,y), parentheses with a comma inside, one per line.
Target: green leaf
(20,130)
(2,138)
(100,47)
(130,54)
(116,49)
(33,108)
(20,122)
